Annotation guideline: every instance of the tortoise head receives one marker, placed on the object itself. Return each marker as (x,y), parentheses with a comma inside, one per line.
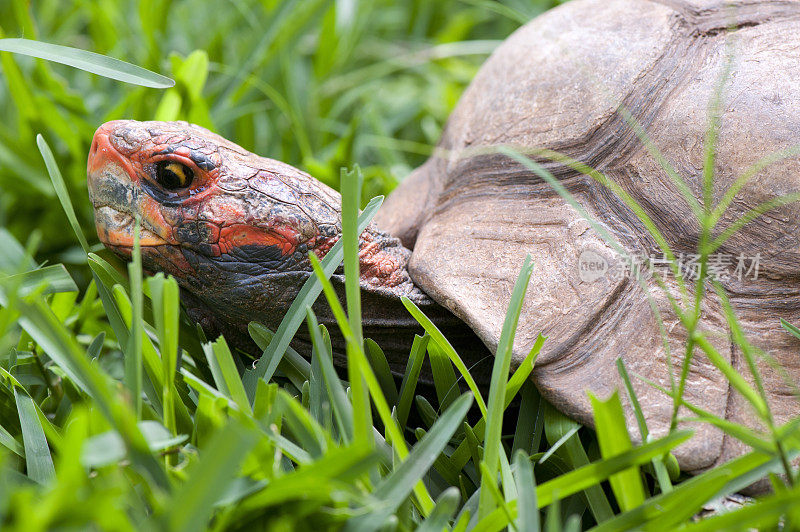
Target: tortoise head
(233,228)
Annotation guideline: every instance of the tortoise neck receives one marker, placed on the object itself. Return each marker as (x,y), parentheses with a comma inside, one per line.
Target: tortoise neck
(384,267)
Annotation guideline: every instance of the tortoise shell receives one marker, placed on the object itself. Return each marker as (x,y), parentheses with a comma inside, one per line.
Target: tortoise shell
(563,82)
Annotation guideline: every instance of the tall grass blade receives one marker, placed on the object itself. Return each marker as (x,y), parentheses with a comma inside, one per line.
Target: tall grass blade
(305,298)
(410,378)
(225,373)
(342,409)
(133,354)
(194,502)
(89,61)
(444,378)
(446,506)
(583,477)
(497,390)
(379,364)
(351,195)
(528,514)
(437,336)
(391,492)
(612,434)
(59,185)
(166,313)
(38,461)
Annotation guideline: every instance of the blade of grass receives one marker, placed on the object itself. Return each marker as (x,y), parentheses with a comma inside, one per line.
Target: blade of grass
(794,331)
(444,378)
(305,298)
(317,391)
(38,461)
(524,370)
(612,434)
(50,431)
(194,502)
(106,271)
(58,183)
(410,378)
(133,355)
(659,467)
(166,313)
(559,443)
(497,389)
(528,515)
(342,409)
(583,477)
(380,366)
(446,506)
(88,61)
(437,336)
(226,376)
(529,420)
(351,195)
(395,487)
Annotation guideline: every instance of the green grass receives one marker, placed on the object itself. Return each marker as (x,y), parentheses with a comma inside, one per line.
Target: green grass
(117,413)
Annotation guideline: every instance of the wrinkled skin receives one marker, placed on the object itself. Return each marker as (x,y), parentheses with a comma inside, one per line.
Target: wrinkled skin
(237,237)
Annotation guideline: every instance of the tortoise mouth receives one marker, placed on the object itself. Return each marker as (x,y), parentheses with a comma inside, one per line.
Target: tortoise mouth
(117,228)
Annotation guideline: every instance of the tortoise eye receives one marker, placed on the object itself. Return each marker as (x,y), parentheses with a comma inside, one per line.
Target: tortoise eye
(172,175)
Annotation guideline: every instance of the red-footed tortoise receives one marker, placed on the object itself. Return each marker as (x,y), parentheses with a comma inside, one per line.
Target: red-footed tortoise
(235,228)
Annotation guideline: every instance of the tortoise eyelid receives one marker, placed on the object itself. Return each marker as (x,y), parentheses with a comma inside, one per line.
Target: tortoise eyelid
(200,159)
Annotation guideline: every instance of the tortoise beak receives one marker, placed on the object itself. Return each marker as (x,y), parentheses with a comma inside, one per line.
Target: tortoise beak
(110,178)
(103,151)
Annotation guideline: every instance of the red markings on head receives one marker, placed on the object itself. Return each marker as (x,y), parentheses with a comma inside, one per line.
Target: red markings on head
(238,235)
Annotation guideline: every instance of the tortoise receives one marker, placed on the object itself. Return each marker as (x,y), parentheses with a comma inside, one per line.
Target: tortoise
(235,228)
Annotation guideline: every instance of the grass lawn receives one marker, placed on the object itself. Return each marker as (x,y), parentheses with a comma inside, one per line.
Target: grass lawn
(116,413)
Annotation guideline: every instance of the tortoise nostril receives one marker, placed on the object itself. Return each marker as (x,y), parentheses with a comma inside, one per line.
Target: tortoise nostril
(93,149)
